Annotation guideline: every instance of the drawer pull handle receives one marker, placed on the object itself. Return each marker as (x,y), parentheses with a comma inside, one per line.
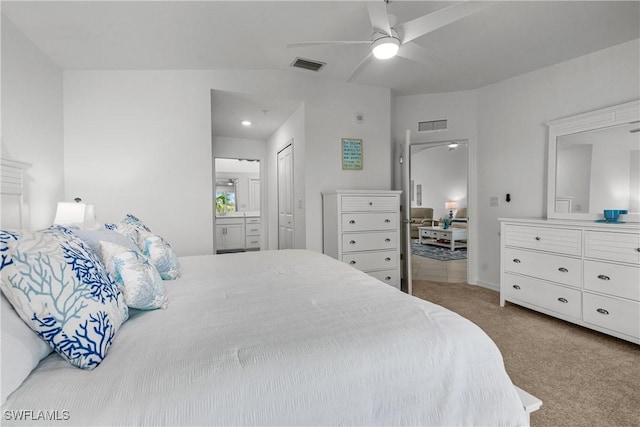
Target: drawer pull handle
(602,311)
(538,238)
(516,287)
(387,278)
(637,249)
(353,221)
(517,261)
(387,240)
(563,270)
(352,262)
(387,221)
(387,259)
(254,241)
(353,242)
(563,300)
(370,203)
(603,277)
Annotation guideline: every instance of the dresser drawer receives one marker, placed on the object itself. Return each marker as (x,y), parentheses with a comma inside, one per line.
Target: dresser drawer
(365,261)
(369,203)
(612,279)
(252,229)
(252,220)
(615,314)
(252,242)
(564,241)
(356,242)
(389,277)
(555,268)
(552,297)
(372,221)
(624,247)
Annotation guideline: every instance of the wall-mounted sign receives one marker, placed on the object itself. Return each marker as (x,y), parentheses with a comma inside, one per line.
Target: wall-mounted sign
(351,154)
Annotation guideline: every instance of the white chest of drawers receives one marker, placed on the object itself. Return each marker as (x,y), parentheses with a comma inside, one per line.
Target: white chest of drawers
(362,229)
(583,272)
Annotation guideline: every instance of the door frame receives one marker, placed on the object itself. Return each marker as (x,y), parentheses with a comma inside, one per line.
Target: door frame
(472,245)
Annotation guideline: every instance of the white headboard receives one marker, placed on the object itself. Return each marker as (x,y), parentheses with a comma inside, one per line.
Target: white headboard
(12,193)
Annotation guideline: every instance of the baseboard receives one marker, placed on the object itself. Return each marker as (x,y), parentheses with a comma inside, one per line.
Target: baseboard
(488,285)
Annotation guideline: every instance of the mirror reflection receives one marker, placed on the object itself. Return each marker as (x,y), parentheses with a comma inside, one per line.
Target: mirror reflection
(599,169)
(237,186)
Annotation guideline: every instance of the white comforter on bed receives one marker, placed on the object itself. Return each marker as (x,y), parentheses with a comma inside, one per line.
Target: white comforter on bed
(281,338)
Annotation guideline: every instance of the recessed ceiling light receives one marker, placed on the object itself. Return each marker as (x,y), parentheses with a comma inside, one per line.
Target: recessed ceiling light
(246,123)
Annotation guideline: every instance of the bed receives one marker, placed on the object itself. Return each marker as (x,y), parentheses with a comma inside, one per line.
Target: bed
(280,338)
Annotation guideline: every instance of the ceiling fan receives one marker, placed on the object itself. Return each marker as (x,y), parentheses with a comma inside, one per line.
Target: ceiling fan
(389,40)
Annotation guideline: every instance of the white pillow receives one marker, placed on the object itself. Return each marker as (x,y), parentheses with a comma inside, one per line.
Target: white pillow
(94,237)
(136,276)
(22,350)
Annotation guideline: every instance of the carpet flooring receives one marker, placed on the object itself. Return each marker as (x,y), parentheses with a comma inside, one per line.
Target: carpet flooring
(583,377)
(437,252)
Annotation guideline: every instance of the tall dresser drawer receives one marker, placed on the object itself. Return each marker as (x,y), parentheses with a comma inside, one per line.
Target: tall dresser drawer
(369,203)
(612,313)
(612,279)
(389,277)
(552,297)
(564,241)
(355,242)
(366,261)
(369,221)
(252,229)
(252,242)
(555,268)
(621,247)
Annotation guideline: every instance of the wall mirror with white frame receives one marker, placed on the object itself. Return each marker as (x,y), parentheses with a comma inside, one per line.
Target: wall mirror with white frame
(594,164)
(237,187)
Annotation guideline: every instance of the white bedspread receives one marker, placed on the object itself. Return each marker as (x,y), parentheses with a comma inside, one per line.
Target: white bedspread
(282,338)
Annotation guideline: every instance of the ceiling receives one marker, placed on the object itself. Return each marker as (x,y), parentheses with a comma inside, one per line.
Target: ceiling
(504,40)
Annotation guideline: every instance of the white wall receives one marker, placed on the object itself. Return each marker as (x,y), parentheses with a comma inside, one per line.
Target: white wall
(512,154)
(511,136)
(140,141)
(32,122)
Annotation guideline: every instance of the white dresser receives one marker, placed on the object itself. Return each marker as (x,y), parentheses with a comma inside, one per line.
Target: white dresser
(583,272)
(362,229)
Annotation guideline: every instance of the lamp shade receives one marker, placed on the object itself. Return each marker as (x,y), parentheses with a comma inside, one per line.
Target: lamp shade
(450,205)
(74,213)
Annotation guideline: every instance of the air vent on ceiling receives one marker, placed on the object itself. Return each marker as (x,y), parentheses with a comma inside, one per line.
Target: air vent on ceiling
(308,64)
(432,126)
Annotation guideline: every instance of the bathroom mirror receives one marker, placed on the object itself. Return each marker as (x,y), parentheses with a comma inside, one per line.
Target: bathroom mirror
(237,186)
(594,164)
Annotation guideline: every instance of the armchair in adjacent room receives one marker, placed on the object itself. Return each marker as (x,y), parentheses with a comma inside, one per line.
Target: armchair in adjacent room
(420,217)
(460,220)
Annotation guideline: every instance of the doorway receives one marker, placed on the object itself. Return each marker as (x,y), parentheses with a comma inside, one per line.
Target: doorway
(439,219)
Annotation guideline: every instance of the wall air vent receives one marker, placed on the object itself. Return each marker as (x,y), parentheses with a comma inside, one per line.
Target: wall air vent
(307,64)
(432,126)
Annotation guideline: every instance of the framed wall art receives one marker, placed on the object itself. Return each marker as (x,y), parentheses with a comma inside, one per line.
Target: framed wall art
(351,154)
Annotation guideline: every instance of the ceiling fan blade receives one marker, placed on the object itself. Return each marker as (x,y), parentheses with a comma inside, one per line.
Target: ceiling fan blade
(420,55)
(438,19)
(361,66)
(327,43)
(378,16)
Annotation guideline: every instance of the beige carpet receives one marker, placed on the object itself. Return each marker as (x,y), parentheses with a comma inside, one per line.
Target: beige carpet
(583,377)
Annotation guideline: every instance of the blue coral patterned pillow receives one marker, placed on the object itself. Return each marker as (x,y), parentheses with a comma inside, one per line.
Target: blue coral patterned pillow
(136,277)
(160,253)
(63,292)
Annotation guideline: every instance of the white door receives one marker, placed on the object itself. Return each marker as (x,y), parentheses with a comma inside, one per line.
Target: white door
(285,198)
(406,214)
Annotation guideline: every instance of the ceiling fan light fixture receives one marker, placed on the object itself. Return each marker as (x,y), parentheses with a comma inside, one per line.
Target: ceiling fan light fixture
(385,47)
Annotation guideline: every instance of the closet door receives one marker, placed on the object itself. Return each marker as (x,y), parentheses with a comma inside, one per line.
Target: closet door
(285,198)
